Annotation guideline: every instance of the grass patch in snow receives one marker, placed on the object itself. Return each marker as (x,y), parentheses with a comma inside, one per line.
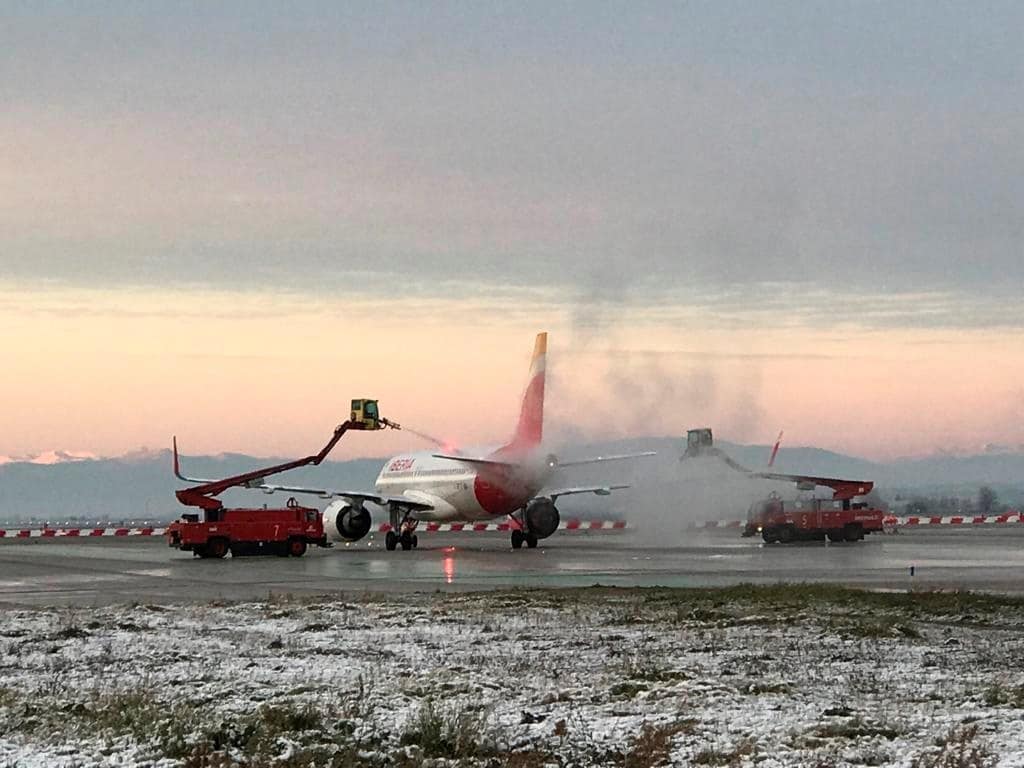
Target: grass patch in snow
(627,689)
(285,733)
(1000,695)
(960,748)
(809,597)
(854,728)
(734,756)
(114,714)
(653,745)
(453,733)
(650,669)
(764,687)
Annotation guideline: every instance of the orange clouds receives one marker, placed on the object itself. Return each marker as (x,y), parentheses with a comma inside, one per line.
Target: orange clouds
(269,374)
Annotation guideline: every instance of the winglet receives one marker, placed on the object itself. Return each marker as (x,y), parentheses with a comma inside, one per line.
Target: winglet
(775,449)
(177,468)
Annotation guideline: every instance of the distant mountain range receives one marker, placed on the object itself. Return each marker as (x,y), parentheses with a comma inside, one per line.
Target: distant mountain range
(49,457)
(61,485)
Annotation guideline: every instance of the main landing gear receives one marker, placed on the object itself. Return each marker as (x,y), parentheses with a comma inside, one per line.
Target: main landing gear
(522,534)
(402,533)
(519,538)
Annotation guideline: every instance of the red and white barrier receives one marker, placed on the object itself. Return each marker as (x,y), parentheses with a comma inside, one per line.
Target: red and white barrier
(891,521)
(894,521)
(84,533)
(718,524)
(1008,518)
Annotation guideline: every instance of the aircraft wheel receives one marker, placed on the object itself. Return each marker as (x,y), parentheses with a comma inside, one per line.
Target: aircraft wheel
(406,541)
(390,541)
(531,541)
(517,539)
(415,541)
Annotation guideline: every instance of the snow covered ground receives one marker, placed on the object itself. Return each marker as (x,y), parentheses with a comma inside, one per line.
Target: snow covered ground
(775,676)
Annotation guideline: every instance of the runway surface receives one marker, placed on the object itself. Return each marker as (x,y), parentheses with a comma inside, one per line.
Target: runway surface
(100,571)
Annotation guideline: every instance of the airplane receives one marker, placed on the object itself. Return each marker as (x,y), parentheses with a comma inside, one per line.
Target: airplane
(465,486)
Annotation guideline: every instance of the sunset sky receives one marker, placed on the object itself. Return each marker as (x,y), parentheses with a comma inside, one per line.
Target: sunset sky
(225,220)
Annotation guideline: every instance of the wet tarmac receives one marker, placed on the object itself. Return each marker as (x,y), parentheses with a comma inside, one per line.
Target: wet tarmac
(45,572)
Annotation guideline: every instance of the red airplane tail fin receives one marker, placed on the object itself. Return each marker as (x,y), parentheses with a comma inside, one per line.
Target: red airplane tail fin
(530,429)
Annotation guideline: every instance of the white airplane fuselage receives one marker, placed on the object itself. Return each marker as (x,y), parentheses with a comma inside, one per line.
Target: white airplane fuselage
(463,491)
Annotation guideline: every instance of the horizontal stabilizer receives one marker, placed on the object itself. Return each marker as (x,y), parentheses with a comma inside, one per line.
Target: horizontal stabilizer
(601,459)
(597,490)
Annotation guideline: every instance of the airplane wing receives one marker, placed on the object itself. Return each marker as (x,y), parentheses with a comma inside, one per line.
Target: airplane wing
(601,459)
(559,464)
(330,493)
(598,490)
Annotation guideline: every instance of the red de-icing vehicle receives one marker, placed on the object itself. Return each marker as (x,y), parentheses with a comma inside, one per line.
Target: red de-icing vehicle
(283,532)
(839,518)
(286,531)
(812,520)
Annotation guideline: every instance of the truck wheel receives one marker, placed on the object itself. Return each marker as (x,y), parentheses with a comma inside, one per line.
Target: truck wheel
(769,536)
(217,548)
(854,533)
(296,547)
(390,541)
(786,534)
(836,536)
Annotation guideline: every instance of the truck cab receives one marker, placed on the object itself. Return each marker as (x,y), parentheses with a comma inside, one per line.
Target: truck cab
(698,441)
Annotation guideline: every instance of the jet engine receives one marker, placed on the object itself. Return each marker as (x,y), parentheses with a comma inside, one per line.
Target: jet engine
(345,522)
(542,518)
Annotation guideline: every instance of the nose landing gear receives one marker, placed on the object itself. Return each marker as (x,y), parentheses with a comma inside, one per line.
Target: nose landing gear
(406,540)
(406,533)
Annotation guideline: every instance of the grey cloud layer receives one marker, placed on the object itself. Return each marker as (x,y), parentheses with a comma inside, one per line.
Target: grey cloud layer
(621,156)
